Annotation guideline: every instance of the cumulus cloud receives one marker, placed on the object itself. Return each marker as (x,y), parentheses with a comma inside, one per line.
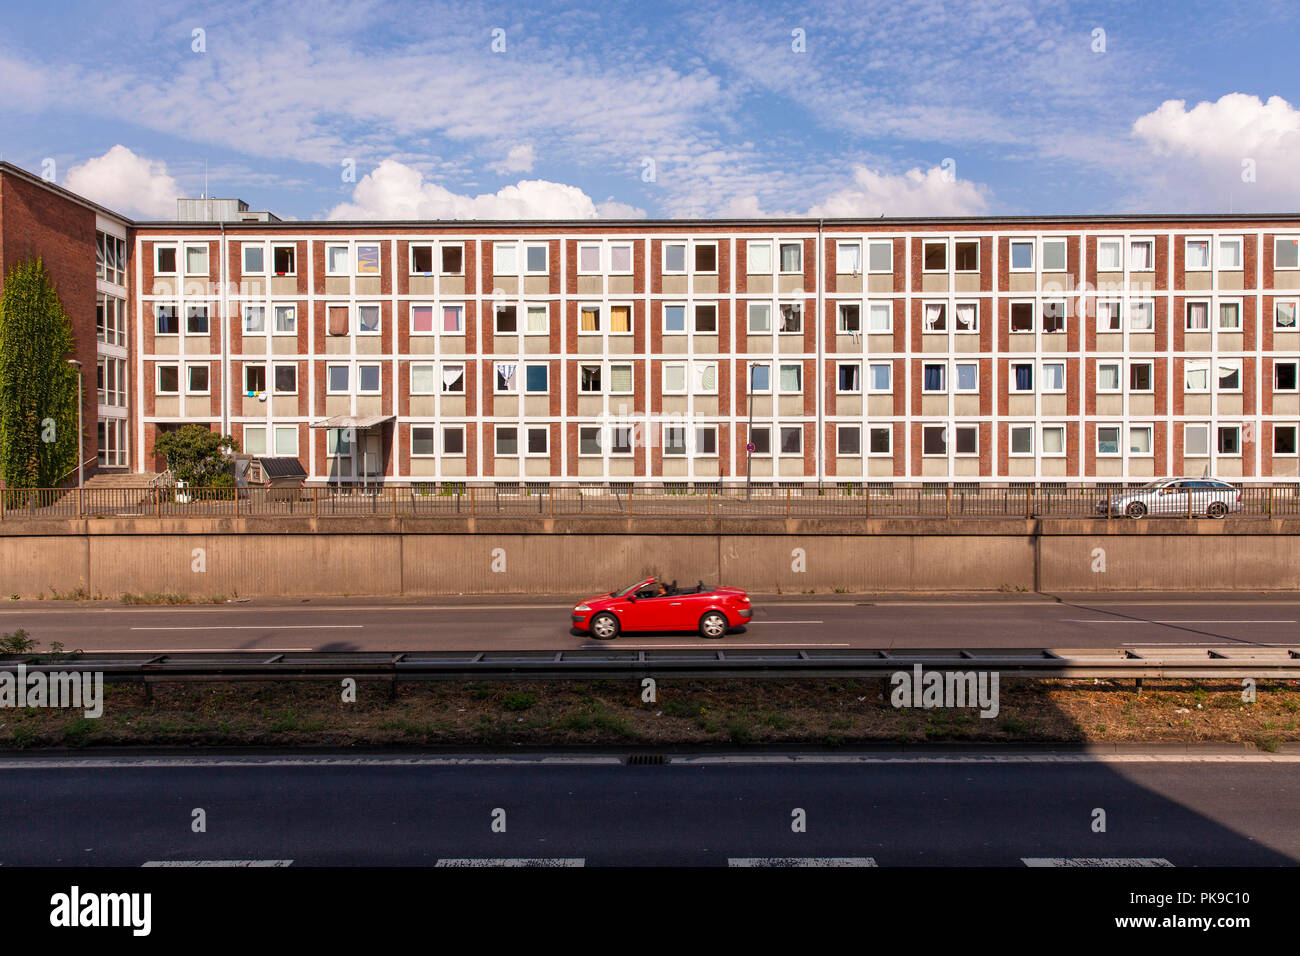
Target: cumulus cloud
(1236,152)
(933,192)
(519,160)
(394,190)
(126,183)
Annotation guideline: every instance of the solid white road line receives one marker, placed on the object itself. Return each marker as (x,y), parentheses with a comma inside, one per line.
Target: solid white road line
(149,763)
(257,627)
(1095,861)
(200,650)
(761,861)
(784,622)
(1048,758)
(557,861)
(257,863)
(714,645)
(1110,621)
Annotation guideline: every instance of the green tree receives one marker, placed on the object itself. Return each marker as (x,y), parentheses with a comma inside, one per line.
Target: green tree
(38,388)
(197,457)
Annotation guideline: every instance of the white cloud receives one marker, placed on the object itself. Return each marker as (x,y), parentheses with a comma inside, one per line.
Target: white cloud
(394,190)
(126,183)
(519,160)
(1203,158)
(873,194)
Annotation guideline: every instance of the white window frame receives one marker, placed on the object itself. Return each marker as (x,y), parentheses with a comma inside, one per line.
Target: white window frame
(379,309)
(1292,240)
(1295,314)
(781,246)
(379,259)
(866,445)
(1112,308)
(1118,428)
(435,312)
(1033,317)
(1011,377)
(696,244)
(1240,443)
(631,317)
(840,429)
(501,250)
(631,258)
(956,378)
(781,389)
(433,378)
(1240,243)
(329,378)
(749,316)
(281,452)
(523,380)
(275,246)
(1205,427)
(840,246)
(1142,241)
(176,254)
(685,370)
(1042,377)
(696,383)
(750,246)
(441,445)
(1111,242)
(749,382)
(410,258)
(1187,315)
(207,257)
(526,445)
(964,242)
(1218,316)
(926,244)
(975,325)
(379,378)
(870,388)
(1011,440)
(867,267)
(546,258)
(1195,365)
(274,325)
(189,366)
(1150,442)
(1118,365)
(1216,371)
(607,378)
(329,260)
(1137,307)
(1209,253)
(244,249)
(1054,242)
(684,330)
(879,306)
(848,391)
(244,313)
(1128,381)
(513,387)
(443,368)
(157,378)
(451,245)
(600,318)
(1033,255)
(496,440)
(434,436)
(275,387)
(1292,362)
(1042,441)
(686,261)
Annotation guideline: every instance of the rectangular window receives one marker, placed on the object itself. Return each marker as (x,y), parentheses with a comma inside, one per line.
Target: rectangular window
(1022,316)
(336,260)
(966,317)
(1230,440)
(760,436)
(422,378)
(507,440)
(1108,376)
(934,440)
(535,259)
(1141,316)
(368,379)
(880,440)
(1196,441)
(760,317)
(934,256)
(620,379)
(1022,439)
(505,258)
(504,379)
(1284,376)
(706,378)
(1198,255)
(110,319)
(286,379)
(589,318)
(255,439)
(368,319)
(453,319)
(1022,256)
(337,319)
(164,260)
(1054,315)
(880,376)
(1139,377)
(254,319)
(254,259)
(674,257)
(674,440)
(539,439)
(1198,316)
(286,441)
(196,379)
(1110,255)
(1053,376)
(1108,440)
(675,318)
(1053,441)
(286,320)
(791,378)
(848,440)
(880,256)
(791,439)
(1230,316)
(196,260)
(1053,255)
(706,318)
(1109,316)
(589,440)
(588,260)
(850,317)
(1196,376)
(196,320)
(933,377)
(338,442)
(453,441)
(966,255)
(791,317)
(1139,440)
(848,258)
(453,379)
(849,376)
(507,319)
(1286,253)
(1022,377)
(169,381)
(453,260)
(421,320)
(1284,439)
(1141,255)
(759,258)
(967,377)
(254,379)
(936,317)
(760,377)
(589,379)
(1229,375)
(421,260)
(1284,313)
(620,440)
(620,319)
(880,317)
(337,379)
(706,440)
(538,320)
(284,260)
(1230,253)
(706,257)
(620,259)
(368,260)
(791,257)
(674,378)
(537,379)
(422,441)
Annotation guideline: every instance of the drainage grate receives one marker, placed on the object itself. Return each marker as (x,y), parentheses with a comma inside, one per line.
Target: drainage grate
(646,760)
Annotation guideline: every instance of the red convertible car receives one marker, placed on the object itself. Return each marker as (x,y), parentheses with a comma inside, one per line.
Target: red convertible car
(650,605)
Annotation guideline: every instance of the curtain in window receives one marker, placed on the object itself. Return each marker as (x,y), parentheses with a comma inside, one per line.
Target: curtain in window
(286,319)
(1140,257)
(965,318)
(790,378)
(451,320)
(674,378)
(934,318)
(1054,377)
(1024,378)
(880,377)
(453,379)
(762,380)
(620,378)
(620,319)
(790,257)
(590,320)
(933,378)
(505,374)
(536,318)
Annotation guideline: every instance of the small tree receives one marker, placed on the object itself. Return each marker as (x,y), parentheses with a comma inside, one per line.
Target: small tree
(197,456)
(38,388)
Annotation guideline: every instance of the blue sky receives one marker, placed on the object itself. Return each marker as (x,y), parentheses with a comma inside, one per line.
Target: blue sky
(900,108)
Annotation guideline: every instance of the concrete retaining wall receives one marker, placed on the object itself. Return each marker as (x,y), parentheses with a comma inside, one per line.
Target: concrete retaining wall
(252,557)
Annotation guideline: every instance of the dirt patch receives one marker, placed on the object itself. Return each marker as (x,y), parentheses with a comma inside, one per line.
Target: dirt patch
(687,712)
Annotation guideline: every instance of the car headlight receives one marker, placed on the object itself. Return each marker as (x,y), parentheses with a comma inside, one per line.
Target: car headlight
(582,607)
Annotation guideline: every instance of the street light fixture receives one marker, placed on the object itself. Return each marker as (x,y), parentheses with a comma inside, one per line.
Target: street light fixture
(81,477)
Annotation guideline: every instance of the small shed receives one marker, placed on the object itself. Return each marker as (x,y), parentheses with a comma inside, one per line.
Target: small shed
(257,471)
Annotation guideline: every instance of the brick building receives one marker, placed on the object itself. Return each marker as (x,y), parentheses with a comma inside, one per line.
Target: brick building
(1052,349)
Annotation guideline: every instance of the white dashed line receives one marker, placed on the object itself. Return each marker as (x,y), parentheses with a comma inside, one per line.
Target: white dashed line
(578,861)
(762,861)
(1095,861)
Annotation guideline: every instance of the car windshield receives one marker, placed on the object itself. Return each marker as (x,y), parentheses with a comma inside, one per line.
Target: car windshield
(631,587)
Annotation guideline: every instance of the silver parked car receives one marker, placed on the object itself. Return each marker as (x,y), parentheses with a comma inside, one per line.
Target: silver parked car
(1173,496)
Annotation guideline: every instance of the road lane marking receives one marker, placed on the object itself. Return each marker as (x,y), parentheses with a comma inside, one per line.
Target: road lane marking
(759,861)
(201,650)
(1073,620)
(556,861)
(711,644)
(1095,861)
(747,623)
(256,627)
(257,863)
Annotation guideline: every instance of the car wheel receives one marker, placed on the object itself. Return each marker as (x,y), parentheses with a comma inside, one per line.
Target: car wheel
(604,627)
(1217,509)
(713,625)
(1136,509)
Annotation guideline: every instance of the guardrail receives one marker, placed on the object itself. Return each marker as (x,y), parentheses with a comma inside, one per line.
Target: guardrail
(663,501)
(1127,663)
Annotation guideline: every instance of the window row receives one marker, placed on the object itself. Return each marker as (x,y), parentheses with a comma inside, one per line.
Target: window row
(110,319)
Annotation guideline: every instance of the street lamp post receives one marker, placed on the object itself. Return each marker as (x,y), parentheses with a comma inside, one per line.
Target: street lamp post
(81,457)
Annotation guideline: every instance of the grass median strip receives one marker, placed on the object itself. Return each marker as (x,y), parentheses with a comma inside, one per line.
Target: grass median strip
(821,712)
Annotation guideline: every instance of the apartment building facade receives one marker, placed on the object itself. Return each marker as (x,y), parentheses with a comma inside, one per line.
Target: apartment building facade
(994,350)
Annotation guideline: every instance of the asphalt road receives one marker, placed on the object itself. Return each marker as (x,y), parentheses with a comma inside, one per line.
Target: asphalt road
(896,811)
(1086,621)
